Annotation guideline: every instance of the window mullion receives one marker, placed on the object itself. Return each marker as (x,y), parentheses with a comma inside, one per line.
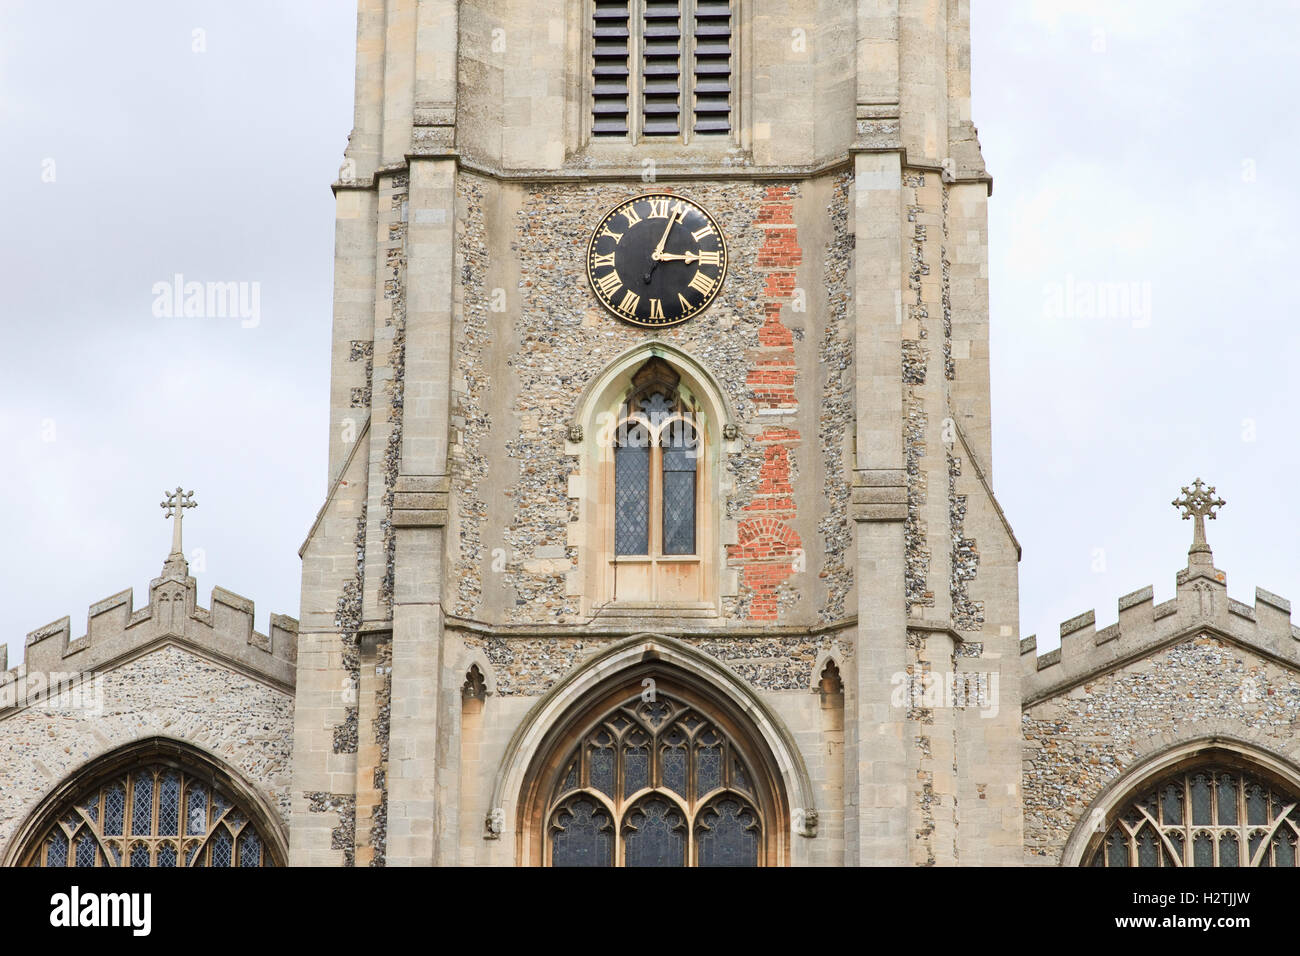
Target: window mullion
(656,500)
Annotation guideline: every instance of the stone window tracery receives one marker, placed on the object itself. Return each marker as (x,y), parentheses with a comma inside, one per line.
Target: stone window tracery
(655,783)
(1207,815)
(154,815)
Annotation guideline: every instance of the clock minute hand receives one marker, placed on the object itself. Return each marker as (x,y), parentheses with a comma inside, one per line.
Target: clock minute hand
(658,254)
(659,249)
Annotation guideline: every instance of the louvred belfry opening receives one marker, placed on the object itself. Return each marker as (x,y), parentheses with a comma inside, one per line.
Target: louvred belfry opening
(661,70)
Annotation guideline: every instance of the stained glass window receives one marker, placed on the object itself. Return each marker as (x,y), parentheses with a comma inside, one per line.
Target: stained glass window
(727,834)
(582,834)
(654,834)
(1235,819)
(91,831)
(658,784)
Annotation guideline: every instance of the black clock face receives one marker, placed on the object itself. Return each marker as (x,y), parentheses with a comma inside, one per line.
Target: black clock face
(656,260)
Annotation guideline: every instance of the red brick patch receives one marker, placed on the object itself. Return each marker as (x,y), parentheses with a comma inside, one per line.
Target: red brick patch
(767,548)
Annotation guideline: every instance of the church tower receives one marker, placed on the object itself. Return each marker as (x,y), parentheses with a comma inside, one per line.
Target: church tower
(659,524)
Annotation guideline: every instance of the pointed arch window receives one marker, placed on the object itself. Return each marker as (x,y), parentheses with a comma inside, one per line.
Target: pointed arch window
(658,462)
(655,783)
(152,815)
(1206,815)
(656,469)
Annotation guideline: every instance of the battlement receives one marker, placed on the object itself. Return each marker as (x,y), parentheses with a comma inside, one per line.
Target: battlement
(1201,601)
(116,630)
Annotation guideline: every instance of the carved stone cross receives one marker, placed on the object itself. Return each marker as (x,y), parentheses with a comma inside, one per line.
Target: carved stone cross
(1198,502)
(174,504)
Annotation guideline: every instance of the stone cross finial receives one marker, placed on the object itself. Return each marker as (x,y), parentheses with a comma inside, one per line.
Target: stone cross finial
(174,504)
(1198,502)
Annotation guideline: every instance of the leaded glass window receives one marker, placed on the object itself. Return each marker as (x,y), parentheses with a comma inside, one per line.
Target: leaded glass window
(1205,816)
(656,472)
(632,490)
(680,451)
(147,802)
(655,783)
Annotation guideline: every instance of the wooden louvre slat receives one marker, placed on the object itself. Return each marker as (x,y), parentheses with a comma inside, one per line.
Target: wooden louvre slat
(610,68)
(712,67)
(661,69)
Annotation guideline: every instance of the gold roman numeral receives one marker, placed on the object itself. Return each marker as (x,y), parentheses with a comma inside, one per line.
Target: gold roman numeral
(658,209)
(629,303)
(616,236)
(609,283)
(686,306)
(656,308)
(603,261)
(629,213)
(710,258)
(701,233)
(702,284)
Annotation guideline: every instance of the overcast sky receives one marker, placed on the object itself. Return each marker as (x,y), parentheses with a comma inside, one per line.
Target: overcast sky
(1147,150)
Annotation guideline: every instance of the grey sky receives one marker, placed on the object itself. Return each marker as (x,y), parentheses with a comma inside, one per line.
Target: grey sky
(1145,150)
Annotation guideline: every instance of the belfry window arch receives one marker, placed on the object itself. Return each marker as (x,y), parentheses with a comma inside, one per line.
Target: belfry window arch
(1220,810)
(153,806)
(664,777)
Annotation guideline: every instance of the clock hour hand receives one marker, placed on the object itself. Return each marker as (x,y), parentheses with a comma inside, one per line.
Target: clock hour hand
(672,257)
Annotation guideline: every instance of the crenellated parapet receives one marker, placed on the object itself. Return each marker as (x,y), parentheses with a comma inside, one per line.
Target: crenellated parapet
(116,631)
(1200,604)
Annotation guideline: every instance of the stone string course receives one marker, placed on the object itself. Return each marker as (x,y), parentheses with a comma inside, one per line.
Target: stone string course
(529,667)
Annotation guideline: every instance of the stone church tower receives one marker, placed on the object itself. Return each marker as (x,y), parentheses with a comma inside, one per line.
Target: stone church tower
(660,526)
(489,670)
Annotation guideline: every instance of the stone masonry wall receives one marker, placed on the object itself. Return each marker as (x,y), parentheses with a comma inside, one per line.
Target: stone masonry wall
(529,666)
(168,692)
(526,351)
(1079,741)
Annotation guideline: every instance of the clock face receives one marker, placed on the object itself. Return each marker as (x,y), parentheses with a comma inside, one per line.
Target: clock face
(656,260)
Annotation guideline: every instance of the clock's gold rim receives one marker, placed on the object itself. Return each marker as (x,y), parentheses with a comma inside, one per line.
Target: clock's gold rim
(722,275)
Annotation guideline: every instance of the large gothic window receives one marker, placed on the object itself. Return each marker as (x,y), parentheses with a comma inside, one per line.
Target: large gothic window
(654,782)
(1209,815)
(658,456)
(661,69)
(152,815)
